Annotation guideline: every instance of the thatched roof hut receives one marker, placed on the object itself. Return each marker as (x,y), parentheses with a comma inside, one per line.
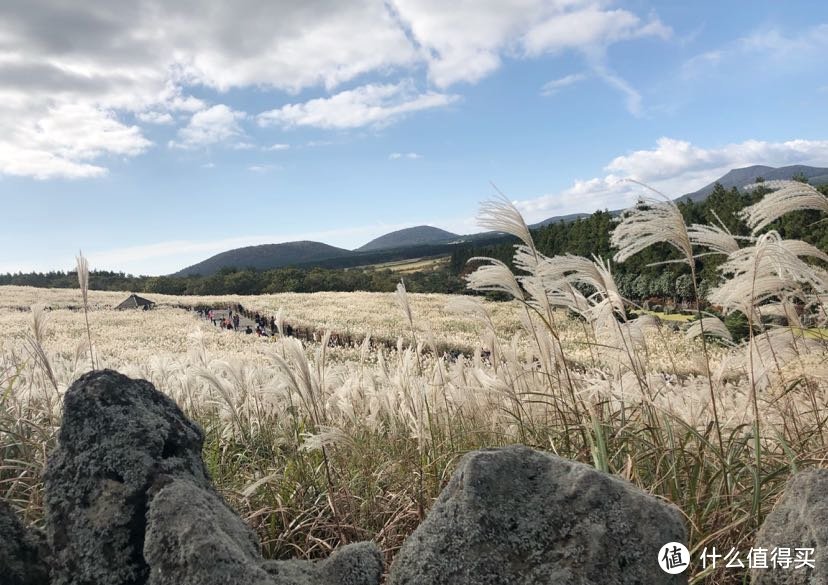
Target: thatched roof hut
(133,301)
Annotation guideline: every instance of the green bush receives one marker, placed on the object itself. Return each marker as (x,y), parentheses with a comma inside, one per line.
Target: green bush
(737,324)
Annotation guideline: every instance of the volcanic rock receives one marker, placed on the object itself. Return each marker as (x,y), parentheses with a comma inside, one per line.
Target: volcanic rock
(520,516)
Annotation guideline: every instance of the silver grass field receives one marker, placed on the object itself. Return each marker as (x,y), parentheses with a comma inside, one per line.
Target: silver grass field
(318,444)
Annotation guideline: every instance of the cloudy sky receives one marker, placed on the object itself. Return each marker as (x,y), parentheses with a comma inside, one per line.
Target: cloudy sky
(153,137)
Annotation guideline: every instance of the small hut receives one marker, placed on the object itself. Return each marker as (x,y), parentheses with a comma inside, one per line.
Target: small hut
(133,301)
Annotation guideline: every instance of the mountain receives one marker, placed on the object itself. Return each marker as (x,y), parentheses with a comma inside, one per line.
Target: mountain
(733,178)
(413,236)
(557,218)
(426,241)
(744,176)
(265,257)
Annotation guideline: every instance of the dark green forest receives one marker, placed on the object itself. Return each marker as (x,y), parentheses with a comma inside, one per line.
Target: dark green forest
(588,236)
(636,278)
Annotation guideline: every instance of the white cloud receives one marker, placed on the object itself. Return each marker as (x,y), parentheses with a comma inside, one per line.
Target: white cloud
(262,168)
(137,58)
(174,100)
(674,167)
(554,86)
(287,45)
(41,164)
(674,158)
(243,145)
(767,50)
(588,28)
(404,155)
(632,99)
(278,146)
(140,60)
(154,117)
(464,41)
(367,105)
(81,132)
(64,141)
(214,125)
(808,41)
(700,63)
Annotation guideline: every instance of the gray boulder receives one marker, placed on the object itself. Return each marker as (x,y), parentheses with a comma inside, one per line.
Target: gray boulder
(192,538)
(519,516)
(355,564)
(799,521)
(117,438)
(24,556)
(129,500)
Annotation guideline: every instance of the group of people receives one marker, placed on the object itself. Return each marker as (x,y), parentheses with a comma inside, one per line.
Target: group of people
(262,324)
(229,321)
(232,320)
(268,328)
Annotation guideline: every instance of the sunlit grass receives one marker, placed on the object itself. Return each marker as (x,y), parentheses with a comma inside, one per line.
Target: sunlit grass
(678,317)
(820,333)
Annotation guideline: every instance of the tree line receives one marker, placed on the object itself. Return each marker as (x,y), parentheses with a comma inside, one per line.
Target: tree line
(247,281)
(637,279)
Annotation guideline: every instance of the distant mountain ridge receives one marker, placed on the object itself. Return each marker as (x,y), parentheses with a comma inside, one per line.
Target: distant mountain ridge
(425,240)
(747,175)
(733,178)
(557,218)
(265,257)
(413,236)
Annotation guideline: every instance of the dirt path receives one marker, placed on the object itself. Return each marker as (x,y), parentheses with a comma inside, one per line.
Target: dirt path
(244,322)
(311,334)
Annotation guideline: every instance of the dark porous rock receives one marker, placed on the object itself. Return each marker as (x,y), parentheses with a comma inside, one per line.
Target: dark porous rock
(799,521)
(519,516)
(24,556)
(355,564)
(117,438)
(193,538)
(129,501)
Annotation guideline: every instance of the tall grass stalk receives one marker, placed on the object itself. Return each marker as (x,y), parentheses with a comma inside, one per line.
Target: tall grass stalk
(82,267)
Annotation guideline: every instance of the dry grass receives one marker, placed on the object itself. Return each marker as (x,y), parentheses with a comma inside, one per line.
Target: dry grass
(628,396)
(680,317)
(412,265)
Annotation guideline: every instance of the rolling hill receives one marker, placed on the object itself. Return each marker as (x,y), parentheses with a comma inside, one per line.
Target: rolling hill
(427,241)
(747,175)
(557,218)
(413,236)
(266,256)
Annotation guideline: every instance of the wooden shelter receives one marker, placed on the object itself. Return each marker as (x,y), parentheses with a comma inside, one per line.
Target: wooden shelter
(133,301)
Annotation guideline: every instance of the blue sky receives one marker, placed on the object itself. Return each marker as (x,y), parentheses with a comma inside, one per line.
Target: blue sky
(152,137)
